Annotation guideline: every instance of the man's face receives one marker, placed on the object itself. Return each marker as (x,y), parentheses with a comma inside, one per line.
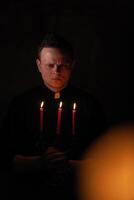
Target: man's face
(55,68)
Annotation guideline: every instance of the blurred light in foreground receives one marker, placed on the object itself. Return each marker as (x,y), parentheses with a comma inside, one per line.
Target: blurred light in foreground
(107,172)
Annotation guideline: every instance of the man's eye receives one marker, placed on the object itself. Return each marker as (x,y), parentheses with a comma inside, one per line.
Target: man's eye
(64,66)
(50,65)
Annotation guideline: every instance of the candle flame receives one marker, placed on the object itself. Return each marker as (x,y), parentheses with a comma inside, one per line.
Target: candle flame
(60,105)
(42,104)
(74,106)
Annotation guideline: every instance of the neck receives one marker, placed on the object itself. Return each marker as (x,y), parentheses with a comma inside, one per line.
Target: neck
(55,89)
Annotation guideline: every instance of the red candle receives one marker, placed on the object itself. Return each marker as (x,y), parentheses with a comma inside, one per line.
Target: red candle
(73,118)
(59,118)
(41,115)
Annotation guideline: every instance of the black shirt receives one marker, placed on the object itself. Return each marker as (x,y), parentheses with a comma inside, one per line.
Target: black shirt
(22,135)
(22,125)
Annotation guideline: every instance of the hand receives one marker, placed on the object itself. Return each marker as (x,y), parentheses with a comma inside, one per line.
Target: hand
(54,159)
(56,165)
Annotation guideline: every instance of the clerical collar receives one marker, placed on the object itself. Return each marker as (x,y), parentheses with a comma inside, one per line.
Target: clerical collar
(56,95)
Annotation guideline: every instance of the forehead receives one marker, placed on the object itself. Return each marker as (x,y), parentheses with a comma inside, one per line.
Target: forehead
(52,54)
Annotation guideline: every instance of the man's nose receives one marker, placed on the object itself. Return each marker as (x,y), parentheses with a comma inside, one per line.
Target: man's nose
(57,68)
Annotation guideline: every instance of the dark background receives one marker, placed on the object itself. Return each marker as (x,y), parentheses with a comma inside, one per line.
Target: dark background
(99,33)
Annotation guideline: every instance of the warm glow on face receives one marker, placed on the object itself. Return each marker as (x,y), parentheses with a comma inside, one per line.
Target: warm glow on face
(108,169)
(74,106)
(52,65)
(42,104)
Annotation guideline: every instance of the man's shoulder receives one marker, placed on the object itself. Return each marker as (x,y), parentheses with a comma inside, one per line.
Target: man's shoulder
(27,95)
(87,99)
(83,93)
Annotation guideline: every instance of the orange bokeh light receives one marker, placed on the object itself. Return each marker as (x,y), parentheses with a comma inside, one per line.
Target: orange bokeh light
(107,172)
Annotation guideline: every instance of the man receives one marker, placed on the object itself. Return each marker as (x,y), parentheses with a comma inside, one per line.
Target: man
(46,143)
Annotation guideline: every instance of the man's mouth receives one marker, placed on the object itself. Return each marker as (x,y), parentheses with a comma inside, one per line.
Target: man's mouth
(56,78)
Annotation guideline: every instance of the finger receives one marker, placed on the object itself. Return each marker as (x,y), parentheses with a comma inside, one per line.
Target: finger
(56,158)
(55,155)
(51,150)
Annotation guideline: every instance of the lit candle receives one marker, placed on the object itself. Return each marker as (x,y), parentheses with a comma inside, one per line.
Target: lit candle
(73,118)
(41,115)
(59,118)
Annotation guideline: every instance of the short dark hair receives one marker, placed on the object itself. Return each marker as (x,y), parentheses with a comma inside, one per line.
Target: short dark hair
(56,41)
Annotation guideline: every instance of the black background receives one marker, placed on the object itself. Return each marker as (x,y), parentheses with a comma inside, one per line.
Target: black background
(99,33)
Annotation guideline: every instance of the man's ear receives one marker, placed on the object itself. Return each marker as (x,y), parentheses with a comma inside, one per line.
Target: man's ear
(38,64)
